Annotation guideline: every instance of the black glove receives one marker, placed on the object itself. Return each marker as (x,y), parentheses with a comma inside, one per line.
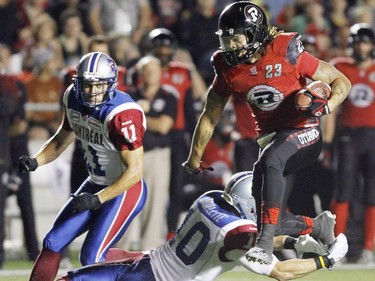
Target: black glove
(196,171)
(26,164)
(86,201)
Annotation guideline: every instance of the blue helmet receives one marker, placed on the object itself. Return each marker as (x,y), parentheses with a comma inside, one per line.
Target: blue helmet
(238,193)
(92,68)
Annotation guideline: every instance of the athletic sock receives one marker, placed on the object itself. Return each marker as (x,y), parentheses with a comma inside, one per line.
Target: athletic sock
(265,238)
(341,210)
(46,266)
(369,228)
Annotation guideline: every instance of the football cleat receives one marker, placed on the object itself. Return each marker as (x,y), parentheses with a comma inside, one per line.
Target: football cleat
(325,223)
(257,254)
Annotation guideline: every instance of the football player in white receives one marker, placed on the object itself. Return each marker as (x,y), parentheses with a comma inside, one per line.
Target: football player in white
(110,125)
(218,230)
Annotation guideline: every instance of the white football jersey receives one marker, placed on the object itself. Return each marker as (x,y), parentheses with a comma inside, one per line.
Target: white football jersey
(118,125)
(211,240)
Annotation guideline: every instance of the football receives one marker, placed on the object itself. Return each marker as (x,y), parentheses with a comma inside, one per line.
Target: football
(307,94)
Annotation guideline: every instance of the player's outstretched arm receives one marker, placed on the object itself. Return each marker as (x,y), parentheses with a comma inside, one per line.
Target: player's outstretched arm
(48,152)
(296,268)
(205,127)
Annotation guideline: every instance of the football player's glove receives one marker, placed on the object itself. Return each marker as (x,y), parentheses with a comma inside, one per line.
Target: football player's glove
(26,164)
(312,100)
(318,107)
(86,201)
(196,171)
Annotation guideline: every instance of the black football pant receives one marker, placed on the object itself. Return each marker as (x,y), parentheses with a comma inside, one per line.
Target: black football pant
(274,175)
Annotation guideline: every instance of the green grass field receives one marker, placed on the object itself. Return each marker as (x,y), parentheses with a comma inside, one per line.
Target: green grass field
(19,271)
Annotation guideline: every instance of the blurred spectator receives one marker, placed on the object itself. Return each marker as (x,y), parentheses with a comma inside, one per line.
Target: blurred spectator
(19,184)
(131,17)
(276,8)
(123,50)
(5,56)
(44,96)
(45,42)
(9,97)
(246,149)
(56,7)
(170,14)
(311,20)
(362,13)
(188,84)
(160,107)
(219,155)
(29,12)
(355,121)
(72,38)
(337,15)
(339,49)
(202,42)
(9,22)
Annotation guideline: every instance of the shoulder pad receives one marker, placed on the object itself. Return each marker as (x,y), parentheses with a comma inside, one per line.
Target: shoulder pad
(289,45)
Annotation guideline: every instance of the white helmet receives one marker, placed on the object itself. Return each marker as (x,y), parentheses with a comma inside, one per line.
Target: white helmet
(238,193)
(95,67)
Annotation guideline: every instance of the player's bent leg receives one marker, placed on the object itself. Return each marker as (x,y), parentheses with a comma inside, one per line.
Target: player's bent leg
(110,223)
(113,271)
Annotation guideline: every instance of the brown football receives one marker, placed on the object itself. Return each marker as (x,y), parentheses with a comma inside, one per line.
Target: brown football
(317,89)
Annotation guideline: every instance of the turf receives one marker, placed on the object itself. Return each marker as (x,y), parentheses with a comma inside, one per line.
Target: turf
(20,270)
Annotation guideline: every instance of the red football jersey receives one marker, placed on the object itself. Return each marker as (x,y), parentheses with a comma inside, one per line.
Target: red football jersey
(270,84)
(359,107)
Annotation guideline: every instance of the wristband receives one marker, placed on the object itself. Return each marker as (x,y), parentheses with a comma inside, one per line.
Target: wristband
(322,262)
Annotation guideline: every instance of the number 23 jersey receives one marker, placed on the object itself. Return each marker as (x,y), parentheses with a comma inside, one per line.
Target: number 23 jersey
(210,241)
(270,84)
(118,125)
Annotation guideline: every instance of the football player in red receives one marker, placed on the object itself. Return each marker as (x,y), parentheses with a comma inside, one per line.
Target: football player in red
(356,134)
(266,67)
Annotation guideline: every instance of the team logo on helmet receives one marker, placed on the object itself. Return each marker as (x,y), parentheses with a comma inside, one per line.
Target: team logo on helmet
(112,65)
(253,14)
